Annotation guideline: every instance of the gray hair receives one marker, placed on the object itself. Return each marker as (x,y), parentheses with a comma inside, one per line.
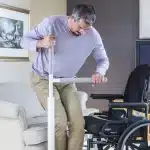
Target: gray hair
(85,12)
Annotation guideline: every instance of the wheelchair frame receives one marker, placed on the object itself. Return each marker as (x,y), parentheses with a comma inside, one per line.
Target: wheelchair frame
(117,139)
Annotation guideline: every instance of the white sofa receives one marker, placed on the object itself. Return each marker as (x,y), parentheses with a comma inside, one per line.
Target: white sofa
(23,122)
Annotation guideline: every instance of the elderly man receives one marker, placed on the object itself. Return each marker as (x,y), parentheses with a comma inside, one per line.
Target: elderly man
(76,39)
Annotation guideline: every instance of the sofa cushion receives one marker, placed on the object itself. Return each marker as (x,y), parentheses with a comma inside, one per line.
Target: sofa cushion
(37,120)
(37,131)
(42,146)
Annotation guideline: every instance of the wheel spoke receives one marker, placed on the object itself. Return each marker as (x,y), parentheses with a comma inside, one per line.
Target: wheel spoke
(127,138)
(134,147)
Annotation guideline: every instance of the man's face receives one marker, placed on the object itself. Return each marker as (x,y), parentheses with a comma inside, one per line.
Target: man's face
(79,27)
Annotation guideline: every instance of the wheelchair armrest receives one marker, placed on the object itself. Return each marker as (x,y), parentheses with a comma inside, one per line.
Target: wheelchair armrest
(127,105)
(109,97)
(101,113)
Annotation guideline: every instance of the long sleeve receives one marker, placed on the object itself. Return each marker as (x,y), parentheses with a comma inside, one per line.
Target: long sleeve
(100,56)
(29,40)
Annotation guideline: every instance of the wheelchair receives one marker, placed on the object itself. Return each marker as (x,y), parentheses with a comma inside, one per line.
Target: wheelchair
(120,127)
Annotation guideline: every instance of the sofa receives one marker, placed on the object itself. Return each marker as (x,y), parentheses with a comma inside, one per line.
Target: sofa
(23,122)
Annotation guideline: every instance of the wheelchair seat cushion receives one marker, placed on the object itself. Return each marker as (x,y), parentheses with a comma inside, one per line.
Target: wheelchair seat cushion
(117,114)
(95,124)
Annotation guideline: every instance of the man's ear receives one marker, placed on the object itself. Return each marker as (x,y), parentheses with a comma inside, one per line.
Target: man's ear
(73,18)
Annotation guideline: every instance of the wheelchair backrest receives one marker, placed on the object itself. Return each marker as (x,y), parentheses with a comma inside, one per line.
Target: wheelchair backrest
(137,87)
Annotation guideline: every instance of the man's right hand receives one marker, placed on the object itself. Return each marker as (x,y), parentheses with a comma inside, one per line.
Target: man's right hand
(46,42)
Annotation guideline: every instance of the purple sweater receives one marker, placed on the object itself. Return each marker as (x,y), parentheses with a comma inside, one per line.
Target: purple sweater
(70,51)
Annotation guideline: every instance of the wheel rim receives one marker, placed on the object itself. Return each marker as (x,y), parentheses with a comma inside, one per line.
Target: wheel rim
(132,131)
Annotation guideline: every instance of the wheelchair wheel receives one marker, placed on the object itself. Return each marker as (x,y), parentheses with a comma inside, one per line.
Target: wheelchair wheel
(106,146)
(129,139)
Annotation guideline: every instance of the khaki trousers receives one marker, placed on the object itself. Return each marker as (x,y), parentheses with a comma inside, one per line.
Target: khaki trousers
(68,112)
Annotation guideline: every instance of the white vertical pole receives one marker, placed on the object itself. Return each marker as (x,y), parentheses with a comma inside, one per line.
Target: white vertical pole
(51,105)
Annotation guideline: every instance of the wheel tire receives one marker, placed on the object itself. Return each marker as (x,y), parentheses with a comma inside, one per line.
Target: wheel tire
(133,127)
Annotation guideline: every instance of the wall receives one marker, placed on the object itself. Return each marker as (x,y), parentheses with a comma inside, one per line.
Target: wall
(39,10)
(17,3)
(144,19)
(19,71)
(15,71)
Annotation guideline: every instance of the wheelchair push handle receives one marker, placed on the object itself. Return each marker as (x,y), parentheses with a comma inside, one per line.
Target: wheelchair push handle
(75,80)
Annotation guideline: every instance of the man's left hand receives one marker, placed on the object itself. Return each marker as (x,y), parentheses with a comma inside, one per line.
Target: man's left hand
(97,79)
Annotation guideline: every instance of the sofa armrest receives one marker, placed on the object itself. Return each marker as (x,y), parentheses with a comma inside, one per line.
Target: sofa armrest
(83,97)
(13,111)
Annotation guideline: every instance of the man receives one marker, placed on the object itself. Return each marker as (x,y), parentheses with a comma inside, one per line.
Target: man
(75,39)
